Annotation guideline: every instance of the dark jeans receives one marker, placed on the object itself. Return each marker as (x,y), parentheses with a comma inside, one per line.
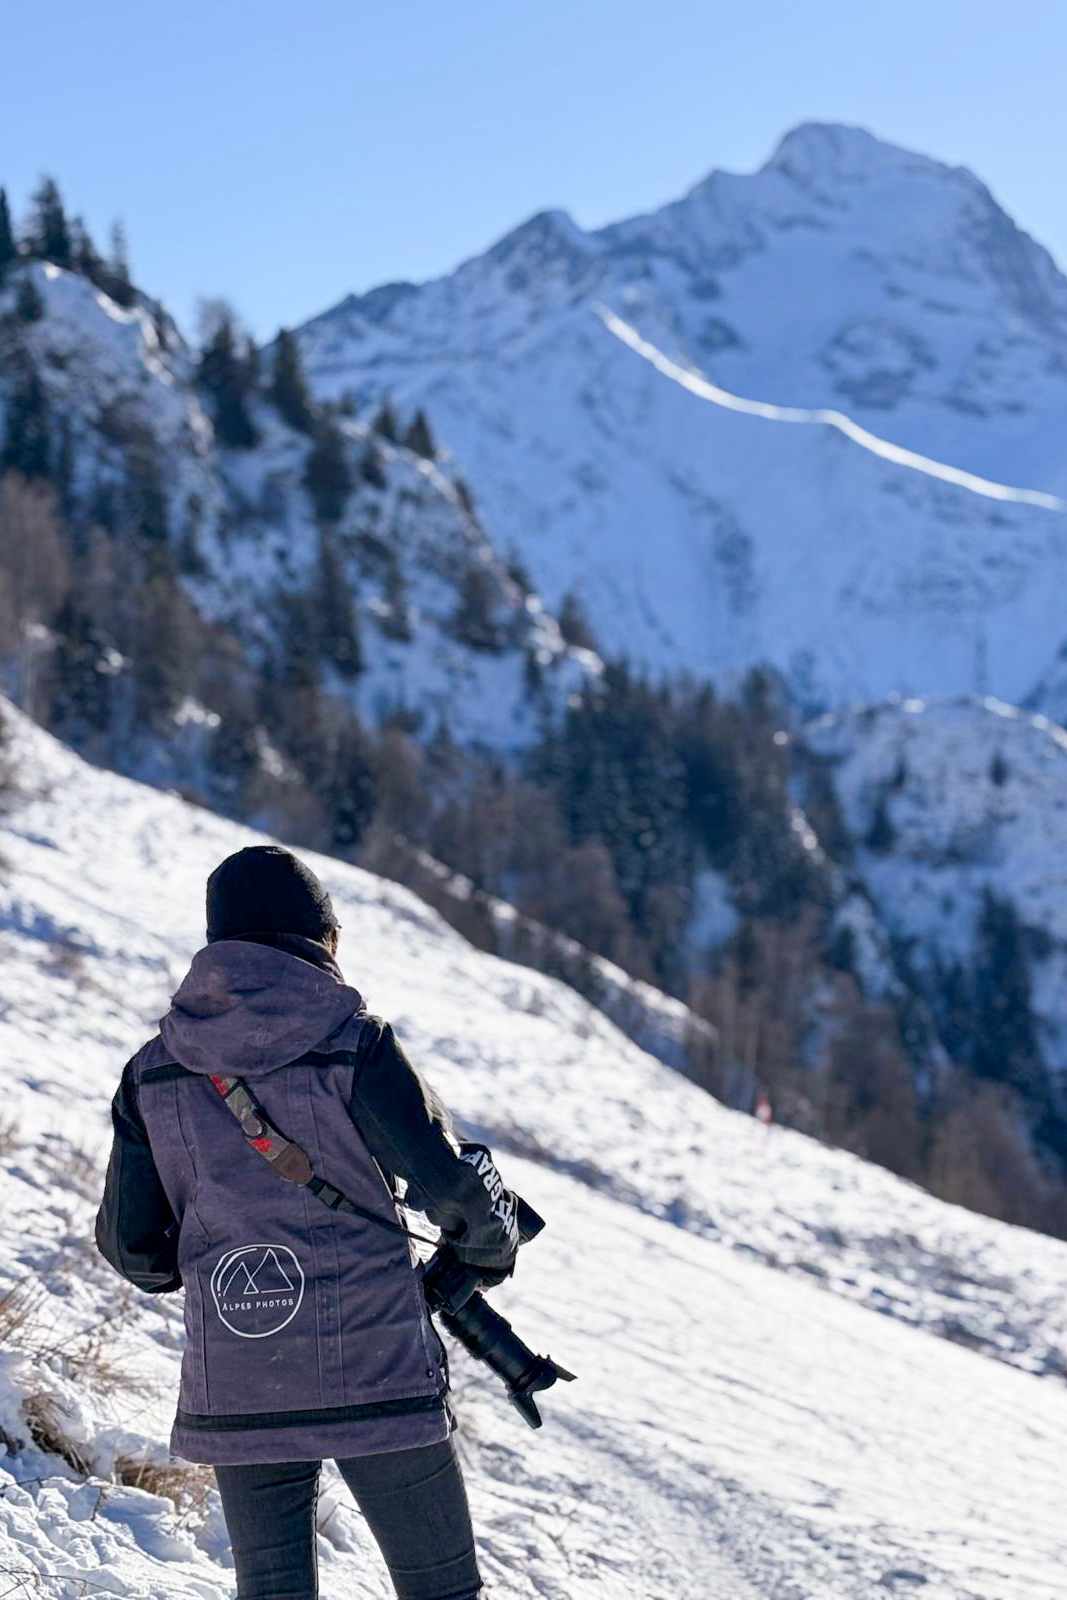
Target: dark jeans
(414,1502)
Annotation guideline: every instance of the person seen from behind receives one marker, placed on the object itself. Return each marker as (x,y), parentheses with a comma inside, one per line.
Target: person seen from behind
(307,1332)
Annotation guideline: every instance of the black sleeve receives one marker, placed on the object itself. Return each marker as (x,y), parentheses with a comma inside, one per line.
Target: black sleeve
(404,1128)
(135,1227)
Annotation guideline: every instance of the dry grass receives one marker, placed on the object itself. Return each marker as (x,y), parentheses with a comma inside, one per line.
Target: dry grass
(95,1357)
(45,1423)
(184,1484)
(31,1580)
(19,1307)
(99,1360)
(10,1135)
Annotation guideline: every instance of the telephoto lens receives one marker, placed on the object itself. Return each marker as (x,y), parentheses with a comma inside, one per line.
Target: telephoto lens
(452,1293)
(490,1338)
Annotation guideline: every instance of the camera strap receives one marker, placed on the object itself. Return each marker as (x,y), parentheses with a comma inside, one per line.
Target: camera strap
(289,1160)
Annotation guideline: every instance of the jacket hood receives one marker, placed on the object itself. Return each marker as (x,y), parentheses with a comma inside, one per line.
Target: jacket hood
(245,1009)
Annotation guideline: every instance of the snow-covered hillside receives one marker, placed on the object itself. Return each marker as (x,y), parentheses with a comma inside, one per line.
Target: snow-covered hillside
(120,398)
(973,798)
(776,1392)
(810,417)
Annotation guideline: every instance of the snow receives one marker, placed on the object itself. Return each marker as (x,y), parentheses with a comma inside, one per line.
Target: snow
(887,512)
(798,1376)
(249,520)
(825,417)
(976,796)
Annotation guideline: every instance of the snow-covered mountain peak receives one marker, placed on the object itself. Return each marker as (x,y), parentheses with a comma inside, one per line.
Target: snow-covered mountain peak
(549,251)
(899,213)
(821,151)
(856,287)
(551,233)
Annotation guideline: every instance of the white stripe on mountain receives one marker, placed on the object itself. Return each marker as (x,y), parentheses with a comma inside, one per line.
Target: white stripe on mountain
(705,390)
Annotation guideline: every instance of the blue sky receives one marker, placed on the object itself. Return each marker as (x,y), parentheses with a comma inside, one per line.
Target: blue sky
(284,152)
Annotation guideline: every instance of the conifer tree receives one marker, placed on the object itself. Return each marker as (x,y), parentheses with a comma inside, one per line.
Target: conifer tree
(161,325)
(881,835)
(1005,1041)
(298,635)
(371,468)
(475,621)
(351,787)
(572,623)
(84,256)
(224,373)
(163,647)
(385,423)
(419,438)
(251,369)
(146,500)
(64,467)
(28,303)
(234,749)
(288,388)
(464,496)
(518,571)
(396,624)
(621,779)
(27,445)
(81,695)
(8,248)
(328,474)
(49,235)
(336,614)
(117,269)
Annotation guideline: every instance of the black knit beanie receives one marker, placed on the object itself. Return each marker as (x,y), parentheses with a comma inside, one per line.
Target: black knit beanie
(265,889)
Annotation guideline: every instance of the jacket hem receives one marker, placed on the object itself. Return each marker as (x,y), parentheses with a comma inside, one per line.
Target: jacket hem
(233,1421)
(313,1442)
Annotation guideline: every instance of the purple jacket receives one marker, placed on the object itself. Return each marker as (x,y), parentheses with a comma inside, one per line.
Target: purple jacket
(307,1333)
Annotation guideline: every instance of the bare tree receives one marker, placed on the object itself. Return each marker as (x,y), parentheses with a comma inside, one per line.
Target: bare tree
(981,1158)
(869,1101)
(35,565)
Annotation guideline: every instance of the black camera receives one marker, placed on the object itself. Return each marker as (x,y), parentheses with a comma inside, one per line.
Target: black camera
(452,1294)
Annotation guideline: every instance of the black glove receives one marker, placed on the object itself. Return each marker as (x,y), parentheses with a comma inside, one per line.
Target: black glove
(491,1277)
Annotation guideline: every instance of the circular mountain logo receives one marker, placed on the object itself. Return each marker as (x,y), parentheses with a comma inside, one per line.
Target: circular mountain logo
(257,1289)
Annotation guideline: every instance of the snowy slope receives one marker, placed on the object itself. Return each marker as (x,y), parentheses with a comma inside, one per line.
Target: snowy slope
(809,417)
(121,381)
(975,794)
(746,1424)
